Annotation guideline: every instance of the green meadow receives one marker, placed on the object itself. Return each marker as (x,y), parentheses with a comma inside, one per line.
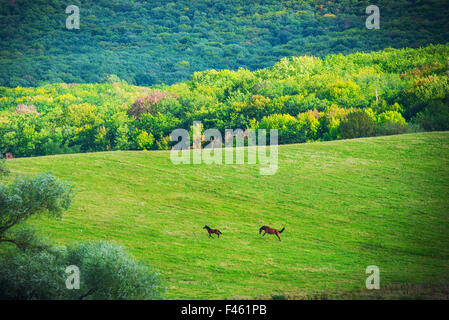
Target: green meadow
(345,205)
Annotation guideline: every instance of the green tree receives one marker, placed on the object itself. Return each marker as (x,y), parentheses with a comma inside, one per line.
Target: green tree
(107,271)
(357,124)
(28,196)
(390,122)
(435,117)
(34,269)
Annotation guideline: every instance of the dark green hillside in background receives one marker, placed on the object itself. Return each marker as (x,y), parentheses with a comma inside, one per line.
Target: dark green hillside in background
(152,42)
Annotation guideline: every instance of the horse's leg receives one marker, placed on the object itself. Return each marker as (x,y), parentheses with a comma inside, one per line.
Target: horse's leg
(264,233)
(278,236)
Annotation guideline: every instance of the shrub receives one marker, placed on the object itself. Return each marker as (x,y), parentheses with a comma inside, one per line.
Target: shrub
(391,117)
(309,123)
(164,143)
(356,125)
(389,128)
(145,140)
(106,272)
(329,128)
(287,126)
(30,275)
(28,196)
(390,122)
(435,117)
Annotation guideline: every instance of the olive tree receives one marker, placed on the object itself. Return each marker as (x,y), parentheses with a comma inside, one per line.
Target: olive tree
(27,196)
(107,271)
(35,269)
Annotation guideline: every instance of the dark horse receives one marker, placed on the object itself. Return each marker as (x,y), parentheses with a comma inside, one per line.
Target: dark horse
(211,231)
(269,230)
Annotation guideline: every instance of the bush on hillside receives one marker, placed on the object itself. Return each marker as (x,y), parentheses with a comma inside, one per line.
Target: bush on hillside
(390,122)
(435,117)
(356,125)
(107,271)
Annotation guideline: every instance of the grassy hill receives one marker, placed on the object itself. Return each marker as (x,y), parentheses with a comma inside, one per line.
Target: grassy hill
(345,205)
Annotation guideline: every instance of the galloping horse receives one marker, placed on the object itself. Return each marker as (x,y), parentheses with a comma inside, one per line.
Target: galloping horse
(211,231)
(269,230)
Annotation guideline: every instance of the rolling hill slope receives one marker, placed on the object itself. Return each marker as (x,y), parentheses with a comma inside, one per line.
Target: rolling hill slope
(345,205)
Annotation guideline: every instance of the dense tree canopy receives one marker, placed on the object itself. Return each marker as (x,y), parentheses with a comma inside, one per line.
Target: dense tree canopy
(306,98)
(159,41)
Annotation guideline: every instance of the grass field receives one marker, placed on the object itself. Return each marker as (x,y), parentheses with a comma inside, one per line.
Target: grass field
(345,205)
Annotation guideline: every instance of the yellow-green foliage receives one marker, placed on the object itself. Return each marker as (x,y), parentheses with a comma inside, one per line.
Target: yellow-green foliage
(394,87)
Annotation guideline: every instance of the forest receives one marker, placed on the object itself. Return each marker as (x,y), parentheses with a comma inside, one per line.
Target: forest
(131,223)
(164,42)
(306,98)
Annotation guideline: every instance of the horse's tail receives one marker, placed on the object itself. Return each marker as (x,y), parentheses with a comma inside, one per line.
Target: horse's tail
(219,232)
(280,231)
